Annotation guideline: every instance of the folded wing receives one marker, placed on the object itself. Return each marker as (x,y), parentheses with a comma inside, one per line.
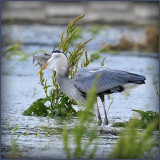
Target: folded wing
(109,78)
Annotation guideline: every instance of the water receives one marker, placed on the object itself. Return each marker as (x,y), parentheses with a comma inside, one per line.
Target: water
(20,88)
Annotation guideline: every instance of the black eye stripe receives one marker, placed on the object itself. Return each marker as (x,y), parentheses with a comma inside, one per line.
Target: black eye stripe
(46,54)
(56,51)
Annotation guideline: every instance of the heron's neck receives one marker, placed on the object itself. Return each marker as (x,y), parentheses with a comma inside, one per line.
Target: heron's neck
(68,87)
(64,82)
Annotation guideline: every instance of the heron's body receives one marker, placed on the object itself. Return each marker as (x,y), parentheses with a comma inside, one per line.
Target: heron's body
(110,80)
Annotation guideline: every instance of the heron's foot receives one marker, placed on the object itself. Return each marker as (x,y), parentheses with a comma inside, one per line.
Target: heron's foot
(106,121)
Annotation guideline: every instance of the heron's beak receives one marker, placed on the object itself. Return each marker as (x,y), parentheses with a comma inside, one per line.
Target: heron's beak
(42,68)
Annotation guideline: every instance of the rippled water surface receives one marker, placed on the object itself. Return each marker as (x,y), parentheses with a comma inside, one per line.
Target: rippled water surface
(20,88)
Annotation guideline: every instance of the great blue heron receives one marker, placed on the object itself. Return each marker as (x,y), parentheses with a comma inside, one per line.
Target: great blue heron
(110,81)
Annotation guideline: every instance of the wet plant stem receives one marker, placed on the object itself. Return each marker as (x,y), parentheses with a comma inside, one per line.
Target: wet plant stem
(43,82)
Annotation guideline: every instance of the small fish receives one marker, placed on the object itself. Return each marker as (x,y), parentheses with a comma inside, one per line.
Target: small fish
(41,58)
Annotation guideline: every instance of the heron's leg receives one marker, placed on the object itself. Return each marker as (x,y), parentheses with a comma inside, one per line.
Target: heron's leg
(99,116)
(105,113)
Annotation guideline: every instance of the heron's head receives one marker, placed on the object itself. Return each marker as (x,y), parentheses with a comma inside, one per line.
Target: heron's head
(58,62)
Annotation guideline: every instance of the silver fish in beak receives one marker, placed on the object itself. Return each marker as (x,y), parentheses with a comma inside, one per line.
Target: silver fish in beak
(41,58)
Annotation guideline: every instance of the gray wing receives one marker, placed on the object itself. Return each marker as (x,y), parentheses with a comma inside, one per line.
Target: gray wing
(109,78)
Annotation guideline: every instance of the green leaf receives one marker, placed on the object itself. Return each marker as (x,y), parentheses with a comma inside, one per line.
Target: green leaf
(15,128)
(14,47)
(132,143)
(19,135)
(119,124)
(37,108)
(94,56)
(147,117)
(24,58)
(102,63)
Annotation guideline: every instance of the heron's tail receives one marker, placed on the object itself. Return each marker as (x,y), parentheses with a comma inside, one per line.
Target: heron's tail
(135,78)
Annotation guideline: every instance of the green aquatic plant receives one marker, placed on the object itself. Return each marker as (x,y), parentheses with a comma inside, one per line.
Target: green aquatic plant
(38,108)
(15,151)
(60,104)
(81,129)
(78,34)
(146,118)
(97,55)
(133,143)
(14,135)
(104,50)
(102,63)
(95,29)
(15,50)
(120,124)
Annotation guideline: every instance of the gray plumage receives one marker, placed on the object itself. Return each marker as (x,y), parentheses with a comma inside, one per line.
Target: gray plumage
(110,81)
